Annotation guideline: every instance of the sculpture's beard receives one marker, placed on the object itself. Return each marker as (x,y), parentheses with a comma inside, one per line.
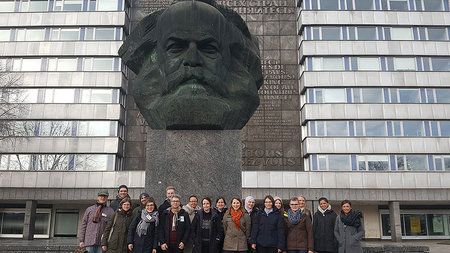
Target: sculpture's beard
(193,98)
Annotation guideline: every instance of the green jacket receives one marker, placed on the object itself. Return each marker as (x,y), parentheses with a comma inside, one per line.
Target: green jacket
(116,241)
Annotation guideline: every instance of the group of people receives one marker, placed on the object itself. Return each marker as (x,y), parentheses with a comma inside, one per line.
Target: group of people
(243,227)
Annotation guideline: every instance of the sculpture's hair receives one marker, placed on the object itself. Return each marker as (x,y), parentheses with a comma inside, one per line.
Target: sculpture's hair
(142,42)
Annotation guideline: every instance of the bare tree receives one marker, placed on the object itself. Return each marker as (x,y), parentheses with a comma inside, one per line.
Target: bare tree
(11,97)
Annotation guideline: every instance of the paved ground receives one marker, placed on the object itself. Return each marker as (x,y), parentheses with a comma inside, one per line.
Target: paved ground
(436,246)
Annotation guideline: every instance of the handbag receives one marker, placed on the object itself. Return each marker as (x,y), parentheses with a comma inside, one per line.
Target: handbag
(81,250)
(112,228)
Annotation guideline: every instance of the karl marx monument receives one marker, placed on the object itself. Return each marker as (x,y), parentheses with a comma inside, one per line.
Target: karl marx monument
(198,74)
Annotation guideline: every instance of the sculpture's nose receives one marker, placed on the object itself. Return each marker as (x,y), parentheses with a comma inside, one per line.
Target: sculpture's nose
(192,58)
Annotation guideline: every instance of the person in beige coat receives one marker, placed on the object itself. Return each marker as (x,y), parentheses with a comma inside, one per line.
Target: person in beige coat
(237,227)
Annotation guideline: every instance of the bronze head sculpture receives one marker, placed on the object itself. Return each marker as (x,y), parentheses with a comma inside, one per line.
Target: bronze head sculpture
(197,67)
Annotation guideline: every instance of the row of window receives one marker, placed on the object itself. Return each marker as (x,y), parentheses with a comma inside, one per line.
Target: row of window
(380,162)
(415,223)
(376,33)
(393,5)
(55,34)
(374,128)
(378,95)
(88,162)
(66,128)
(378,63)
(12,220)
(67,96)
(60,5)
(62,64)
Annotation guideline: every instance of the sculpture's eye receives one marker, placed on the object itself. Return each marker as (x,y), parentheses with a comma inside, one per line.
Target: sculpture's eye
(210,48)
(175,47)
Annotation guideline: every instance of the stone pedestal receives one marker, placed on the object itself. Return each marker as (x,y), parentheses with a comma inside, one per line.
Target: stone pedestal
(206,163)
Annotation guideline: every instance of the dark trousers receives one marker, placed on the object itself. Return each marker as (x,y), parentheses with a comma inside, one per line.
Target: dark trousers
(261,249)
(173,248)
(228,251)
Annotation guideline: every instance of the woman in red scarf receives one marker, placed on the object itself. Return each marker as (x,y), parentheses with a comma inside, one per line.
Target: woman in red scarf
(237,227)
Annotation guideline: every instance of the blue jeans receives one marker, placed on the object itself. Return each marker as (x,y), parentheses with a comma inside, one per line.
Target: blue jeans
(94,249)
(297,251)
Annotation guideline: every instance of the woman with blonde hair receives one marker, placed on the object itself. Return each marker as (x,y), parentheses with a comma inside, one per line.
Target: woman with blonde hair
(237,227)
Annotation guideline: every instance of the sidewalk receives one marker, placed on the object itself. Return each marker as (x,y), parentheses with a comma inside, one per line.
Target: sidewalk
(61,244)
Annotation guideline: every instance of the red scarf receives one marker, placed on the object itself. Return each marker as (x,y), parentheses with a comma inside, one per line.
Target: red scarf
(236,216)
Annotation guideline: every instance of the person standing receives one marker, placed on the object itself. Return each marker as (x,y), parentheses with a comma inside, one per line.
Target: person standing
(94,223)
(114,239)
(237,228)
(279,205)
(122,192)
(143,233)
(323,228)
(174,229)
(268,229)
(349,229)
(302,203)
(191,208)
(170,191)
(206,229)
(143,198)
(221,208)
(251,210)
(298,229)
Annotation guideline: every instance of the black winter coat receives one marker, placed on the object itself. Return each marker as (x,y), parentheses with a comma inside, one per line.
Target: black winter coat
(115,203)
(183,227)
(323,231)
(145,243)
(215,232)
(268,230)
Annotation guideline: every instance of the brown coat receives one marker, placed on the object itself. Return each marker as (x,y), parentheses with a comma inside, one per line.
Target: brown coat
(299,236)
(236,240)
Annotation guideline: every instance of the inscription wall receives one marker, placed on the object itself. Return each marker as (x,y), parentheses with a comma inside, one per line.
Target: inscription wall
(271,139)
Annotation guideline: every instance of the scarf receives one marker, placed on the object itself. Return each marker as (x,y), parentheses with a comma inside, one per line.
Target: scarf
(236,216)
(323,211)
(146,219)
(98,213)
(174,220)
(353,218)
(294,218)
(268,211)
(191,211)
(247,199)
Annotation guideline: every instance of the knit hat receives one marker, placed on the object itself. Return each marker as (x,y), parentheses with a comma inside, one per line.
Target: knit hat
(122,186)
(144,194)
(103,193)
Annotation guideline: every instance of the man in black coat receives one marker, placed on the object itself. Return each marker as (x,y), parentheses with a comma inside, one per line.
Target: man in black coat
(174,228)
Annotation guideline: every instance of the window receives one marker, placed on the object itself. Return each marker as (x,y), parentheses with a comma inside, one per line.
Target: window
(55,128)
(30,34)
(92,162)
(329,5)
(367,33)
(363,5)
(5,35)
(339,162)
(401,33)
(69,5)
(28,64)
(96,96)
(332,64)
(445,128)
(69,34)
(437,33)
(413,128)
(404,64)
(98,64)
(432,5)
(331,33)
(34,6)
(66,222)
(411,162)
(369,63)
(440,64)
(372,95)
(373,162)
(409,95)
(107,5)
(334,96)
(104,34)
(375,128)
(12,221)
(398,5)
(337,128)
(6,6)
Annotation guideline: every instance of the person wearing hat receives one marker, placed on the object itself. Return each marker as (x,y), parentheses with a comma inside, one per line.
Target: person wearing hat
(122,192)
(143,198)
(94,223)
